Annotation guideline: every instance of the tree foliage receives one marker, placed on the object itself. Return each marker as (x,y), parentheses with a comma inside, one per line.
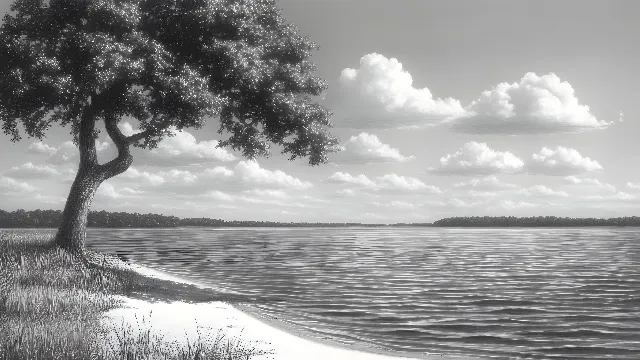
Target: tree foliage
(170,64)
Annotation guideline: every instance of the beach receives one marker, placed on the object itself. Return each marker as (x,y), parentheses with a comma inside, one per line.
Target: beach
(182,321)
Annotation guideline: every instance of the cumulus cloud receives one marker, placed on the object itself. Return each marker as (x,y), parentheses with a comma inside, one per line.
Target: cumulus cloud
(478,159)
(31,171)
(561,161)
(396,205)
(41,148)
(181,149)
(634,186)
(591,183)
(380,94)
(543,191)
(251,173)
(388,182)
(65,153)
(145,177)
(346,178)
(486,183)
(184,148)
(107,190)
(535,105)
(9,186)
(367,148)
(246,175)
(513,205)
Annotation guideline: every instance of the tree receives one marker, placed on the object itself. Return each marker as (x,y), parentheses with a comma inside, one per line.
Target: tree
(170,64)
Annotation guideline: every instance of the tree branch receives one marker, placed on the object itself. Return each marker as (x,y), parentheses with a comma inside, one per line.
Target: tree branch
(124,159)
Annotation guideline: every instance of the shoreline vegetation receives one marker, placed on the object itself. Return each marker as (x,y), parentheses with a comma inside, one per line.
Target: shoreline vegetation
(103,219)
(51,306)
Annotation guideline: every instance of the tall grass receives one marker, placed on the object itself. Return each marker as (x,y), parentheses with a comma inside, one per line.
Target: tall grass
(51,304)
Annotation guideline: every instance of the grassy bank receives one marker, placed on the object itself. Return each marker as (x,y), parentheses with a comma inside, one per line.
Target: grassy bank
(51,304)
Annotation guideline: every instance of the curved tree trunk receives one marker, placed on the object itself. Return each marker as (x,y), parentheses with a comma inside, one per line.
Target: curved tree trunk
(72,231)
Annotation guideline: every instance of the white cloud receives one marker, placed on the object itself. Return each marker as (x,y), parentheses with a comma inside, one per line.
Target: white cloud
(616,197)
(31,171)
(146,177)
(251,173)
(41,148)
(367,148)
(404,183)
(107,190)
(591,182)
(388,182)
(246,175)
(478,159)
(380,94)
(180,149)
(561,161)
(9,186)
(65,153)
(486,183)
(346,178)
(543,191)
(127,129)
(512,205)
(535,105)
(396,205)
(634,186)
(184,148)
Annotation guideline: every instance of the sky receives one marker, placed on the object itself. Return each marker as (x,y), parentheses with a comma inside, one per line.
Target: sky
(443,108)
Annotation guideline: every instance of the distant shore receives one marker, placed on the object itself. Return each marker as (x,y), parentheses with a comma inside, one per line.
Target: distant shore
(103,219)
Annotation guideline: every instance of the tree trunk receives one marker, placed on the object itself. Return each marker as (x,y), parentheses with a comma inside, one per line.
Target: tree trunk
(73,227)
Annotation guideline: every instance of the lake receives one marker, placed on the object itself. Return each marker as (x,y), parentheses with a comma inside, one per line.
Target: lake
(487,293)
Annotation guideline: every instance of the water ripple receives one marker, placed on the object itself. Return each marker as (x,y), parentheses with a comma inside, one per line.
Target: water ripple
(488,293)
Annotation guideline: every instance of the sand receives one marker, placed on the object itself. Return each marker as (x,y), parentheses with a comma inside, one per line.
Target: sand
(180,320)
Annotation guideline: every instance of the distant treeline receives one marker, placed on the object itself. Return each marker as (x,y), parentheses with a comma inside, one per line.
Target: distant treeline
(534,221)
(103,219)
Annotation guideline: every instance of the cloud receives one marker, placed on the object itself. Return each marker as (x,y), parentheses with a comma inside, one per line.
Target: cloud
(9,186)
(535,105)
(251,173)
(41,148)
(246,175)
(634,186)
(388,182)
(380,94)
(592,183)
(543,191)
(181,149)
(513,205)
(396,205)
(346,178)
(367,148)
(143,176)
(107,190)
(478,159)
(31,171)
(561,161)
(65,153)
(486,183)
(184,147)
(127,129)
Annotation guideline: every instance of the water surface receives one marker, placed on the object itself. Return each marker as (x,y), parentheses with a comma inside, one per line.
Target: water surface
(487,293)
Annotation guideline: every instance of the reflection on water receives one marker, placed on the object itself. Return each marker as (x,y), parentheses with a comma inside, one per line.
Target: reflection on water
(503,293)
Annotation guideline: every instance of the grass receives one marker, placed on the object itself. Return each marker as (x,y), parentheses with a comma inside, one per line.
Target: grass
(51,304)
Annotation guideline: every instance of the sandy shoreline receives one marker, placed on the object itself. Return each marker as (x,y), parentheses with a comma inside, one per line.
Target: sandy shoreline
(285,342)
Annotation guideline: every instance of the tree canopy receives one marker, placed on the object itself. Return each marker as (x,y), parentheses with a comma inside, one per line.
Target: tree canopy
(170,64)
